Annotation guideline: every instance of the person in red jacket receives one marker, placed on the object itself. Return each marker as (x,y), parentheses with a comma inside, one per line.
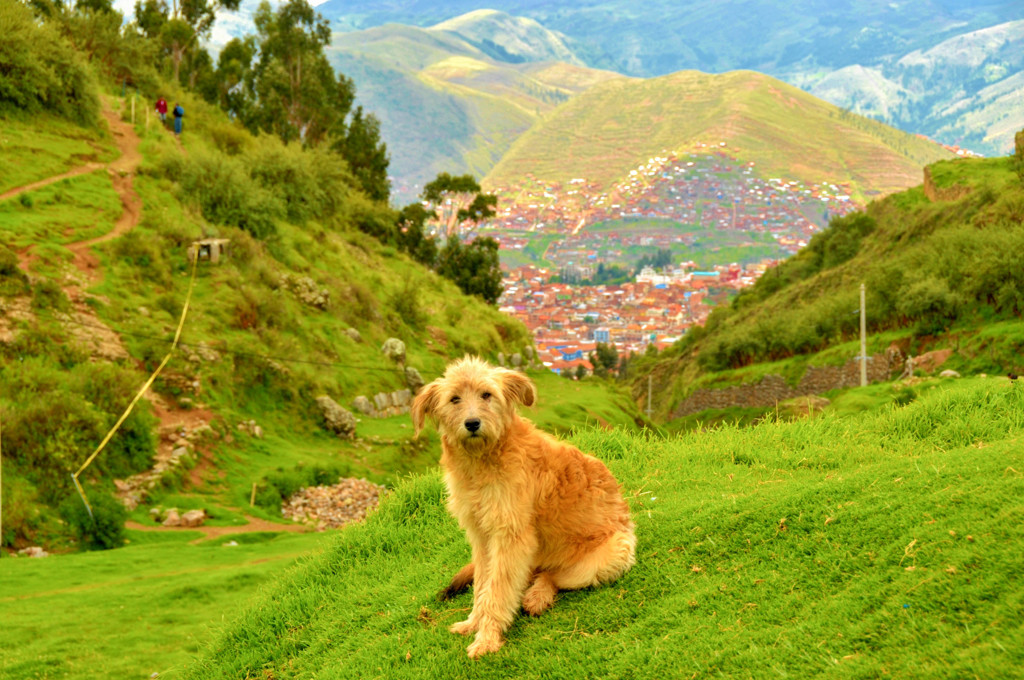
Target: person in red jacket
(161,110)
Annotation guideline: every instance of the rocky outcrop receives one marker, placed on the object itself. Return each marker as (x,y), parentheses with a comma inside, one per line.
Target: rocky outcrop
(394,349)
(336,419)
(306,290)
(413,379)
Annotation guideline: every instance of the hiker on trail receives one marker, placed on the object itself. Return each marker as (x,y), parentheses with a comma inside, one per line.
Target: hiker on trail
(179,113)
(161,110)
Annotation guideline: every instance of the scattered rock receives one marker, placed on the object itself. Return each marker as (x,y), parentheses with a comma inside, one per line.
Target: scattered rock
(394,349)
(337,419)
(172,518)
(33,551)
(193,518)
(929,362)
(330,507)
(517,360)
(363,405)
(251,428)
(306,290)
(401,398)
(230,544)
(949,373)
(413,379)
(354,334)
(501,358)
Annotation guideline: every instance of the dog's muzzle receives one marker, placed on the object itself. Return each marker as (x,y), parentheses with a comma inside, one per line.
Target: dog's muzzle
(472,425)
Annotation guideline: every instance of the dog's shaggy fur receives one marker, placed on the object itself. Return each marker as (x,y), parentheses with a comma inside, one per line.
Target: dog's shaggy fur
(539,515)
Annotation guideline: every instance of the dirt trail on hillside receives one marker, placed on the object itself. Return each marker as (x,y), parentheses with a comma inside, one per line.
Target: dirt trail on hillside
(254,524)
(122,172)
(73,172)
(82,323)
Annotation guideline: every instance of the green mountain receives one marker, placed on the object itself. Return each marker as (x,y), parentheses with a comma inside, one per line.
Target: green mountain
(965,90)
(609,130)
(940,266)
(944,69)
(453,98)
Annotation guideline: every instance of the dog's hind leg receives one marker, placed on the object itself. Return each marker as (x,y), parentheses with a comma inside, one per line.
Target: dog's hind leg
(609,561)
(540,595)
(460,582)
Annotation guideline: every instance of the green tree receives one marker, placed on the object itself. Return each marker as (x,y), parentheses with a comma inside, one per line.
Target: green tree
(474,267)
(412,238)
(457,200)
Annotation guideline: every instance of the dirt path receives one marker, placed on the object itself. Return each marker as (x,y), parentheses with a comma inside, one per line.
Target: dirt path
(73,172)
(122,172)
(254,524)
(83,323)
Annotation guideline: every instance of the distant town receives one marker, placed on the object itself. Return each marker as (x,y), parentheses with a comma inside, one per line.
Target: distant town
(721,222)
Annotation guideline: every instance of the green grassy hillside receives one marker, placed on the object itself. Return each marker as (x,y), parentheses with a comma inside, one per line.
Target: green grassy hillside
(612,128)
(940,272)
(446,103)
(879,545)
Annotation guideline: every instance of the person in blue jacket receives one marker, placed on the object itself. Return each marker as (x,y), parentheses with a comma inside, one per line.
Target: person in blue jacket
(179,113)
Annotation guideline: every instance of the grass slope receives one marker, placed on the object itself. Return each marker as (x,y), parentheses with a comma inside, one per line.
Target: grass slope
(881,545)
(610,129)
(131,612)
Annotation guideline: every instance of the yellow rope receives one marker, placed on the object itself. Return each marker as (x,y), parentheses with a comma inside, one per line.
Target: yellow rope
(124,416)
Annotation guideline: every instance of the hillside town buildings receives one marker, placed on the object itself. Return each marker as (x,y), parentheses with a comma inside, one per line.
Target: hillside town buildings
(723,224)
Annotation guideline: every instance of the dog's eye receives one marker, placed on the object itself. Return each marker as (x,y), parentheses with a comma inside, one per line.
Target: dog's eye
(486,395)
(455,400)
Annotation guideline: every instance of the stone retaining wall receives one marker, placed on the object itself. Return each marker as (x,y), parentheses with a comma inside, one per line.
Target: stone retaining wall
(773,388)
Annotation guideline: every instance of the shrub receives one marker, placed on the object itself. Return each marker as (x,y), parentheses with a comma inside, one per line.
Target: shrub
(13,281)
(47,295)
(40,71)
(102,530)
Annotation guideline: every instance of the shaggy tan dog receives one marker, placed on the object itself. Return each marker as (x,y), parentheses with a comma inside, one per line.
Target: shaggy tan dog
(539,515)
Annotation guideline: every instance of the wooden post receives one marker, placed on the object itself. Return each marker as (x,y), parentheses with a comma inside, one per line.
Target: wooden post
(252,498)
(133,109)
(863,341)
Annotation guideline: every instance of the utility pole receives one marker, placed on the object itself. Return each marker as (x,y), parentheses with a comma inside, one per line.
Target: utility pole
(863,341)
(649,378)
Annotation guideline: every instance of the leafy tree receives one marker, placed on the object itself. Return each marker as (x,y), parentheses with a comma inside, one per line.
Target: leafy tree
(604,358)
(411,236)
(150,16)
(457,200)
(474,267)
(367,156)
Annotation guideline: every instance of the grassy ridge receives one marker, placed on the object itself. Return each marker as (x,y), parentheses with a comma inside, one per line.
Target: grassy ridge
(444,105)
(610,129)
(885,544)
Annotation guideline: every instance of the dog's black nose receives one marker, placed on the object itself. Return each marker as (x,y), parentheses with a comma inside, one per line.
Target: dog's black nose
(473,424)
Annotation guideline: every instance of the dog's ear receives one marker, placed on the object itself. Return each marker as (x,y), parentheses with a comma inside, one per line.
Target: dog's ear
(425,404)
(518,388)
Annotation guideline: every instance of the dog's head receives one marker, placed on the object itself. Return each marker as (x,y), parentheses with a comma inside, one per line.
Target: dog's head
(473,403)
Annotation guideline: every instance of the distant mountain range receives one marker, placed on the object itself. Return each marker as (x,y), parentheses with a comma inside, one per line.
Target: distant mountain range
(949,70)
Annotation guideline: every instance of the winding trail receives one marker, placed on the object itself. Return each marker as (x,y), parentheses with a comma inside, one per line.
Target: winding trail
(254,524)
(73,172)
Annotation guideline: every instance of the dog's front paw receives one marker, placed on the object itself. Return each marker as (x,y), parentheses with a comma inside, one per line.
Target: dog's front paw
(466,627)
(484,644)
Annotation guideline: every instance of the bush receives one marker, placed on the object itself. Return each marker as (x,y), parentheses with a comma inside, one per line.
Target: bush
(40,71)
(48,296)
(104,529)
(225,193)
(13,281)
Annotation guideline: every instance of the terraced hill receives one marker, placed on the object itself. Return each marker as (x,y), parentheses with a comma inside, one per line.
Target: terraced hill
(451,99)
(609,130)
